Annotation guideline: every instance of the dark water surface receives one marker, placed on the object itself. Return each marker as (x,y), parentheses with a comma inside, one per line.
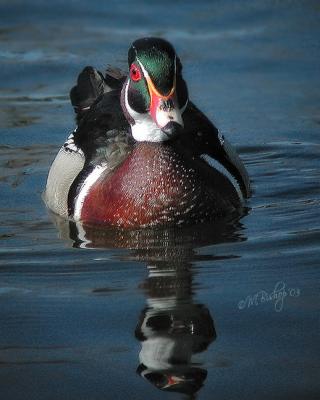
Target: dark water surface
(229,312)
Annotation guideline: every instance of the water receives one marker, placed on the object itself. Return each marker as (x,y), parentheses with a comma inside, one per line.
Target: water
(232,311)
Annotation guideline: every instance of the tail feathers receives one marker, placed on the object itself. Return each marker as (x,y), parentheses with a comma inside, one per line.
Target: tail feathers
(92,84)
(89,87)
(114,77)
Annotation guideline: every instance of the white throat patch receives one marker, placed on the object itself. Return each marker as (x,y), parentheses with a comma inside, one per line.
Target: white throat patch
(144,129)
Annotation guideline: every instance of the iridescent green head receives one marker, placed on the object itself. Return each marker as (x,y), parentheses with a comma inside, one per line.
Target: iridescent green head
(155,94)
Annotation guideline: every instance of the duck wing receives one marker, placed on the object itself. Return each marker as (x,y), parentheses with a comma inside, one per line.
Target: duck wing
(101,136)
(103,133)
(103,129)
(204,140)
(100,120)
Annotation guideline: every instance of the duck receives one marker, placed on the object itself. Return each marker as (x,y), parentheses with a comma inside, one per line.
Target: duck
(142,154)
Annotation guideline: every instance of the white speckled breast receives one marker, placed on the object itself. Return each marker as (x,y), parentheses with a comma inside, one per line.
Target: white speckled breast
(157,185)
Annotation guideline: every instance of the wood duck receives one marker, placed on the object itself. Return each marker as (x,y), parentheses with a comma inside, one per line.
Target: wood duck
(142,153)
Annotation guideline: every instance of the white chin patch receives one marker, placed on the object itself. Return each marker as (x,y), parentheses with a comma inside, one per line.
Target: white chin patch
(164,117)
(145,129)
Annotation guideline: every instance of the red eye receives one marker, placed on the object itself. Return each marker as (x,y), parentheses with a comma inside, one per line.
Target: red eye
(135,73)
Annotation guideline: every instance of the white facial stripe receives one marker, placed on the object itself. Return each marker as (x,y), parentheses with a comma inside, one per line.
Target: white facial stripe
(145,72)
(219,167)
(144,129)
(147,76)
(174,115)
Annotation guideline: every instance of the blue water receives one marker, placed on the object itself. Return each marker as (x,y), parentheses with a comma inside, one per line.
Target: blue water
(230,312)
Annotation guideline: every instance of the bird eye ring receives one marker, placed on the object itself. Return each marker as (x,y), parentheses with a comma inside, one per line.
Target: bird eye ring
(135,73)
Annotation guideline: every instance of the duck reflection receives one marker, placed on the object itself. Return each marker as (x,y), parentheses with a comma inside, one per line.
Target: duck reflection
(162,243)
(173,328)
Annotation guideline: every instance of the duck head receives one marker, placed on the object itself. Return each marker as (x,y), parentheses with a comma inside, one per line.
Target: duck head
(154,96)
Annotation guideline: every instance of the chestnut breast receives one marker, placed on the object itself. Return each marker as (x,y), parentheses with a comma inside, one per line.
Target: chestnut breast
(158,185)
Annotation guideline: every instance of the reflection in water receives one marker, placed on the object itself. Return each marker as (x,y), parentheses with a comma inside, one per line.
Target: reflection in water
(163,243)
(173,327)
